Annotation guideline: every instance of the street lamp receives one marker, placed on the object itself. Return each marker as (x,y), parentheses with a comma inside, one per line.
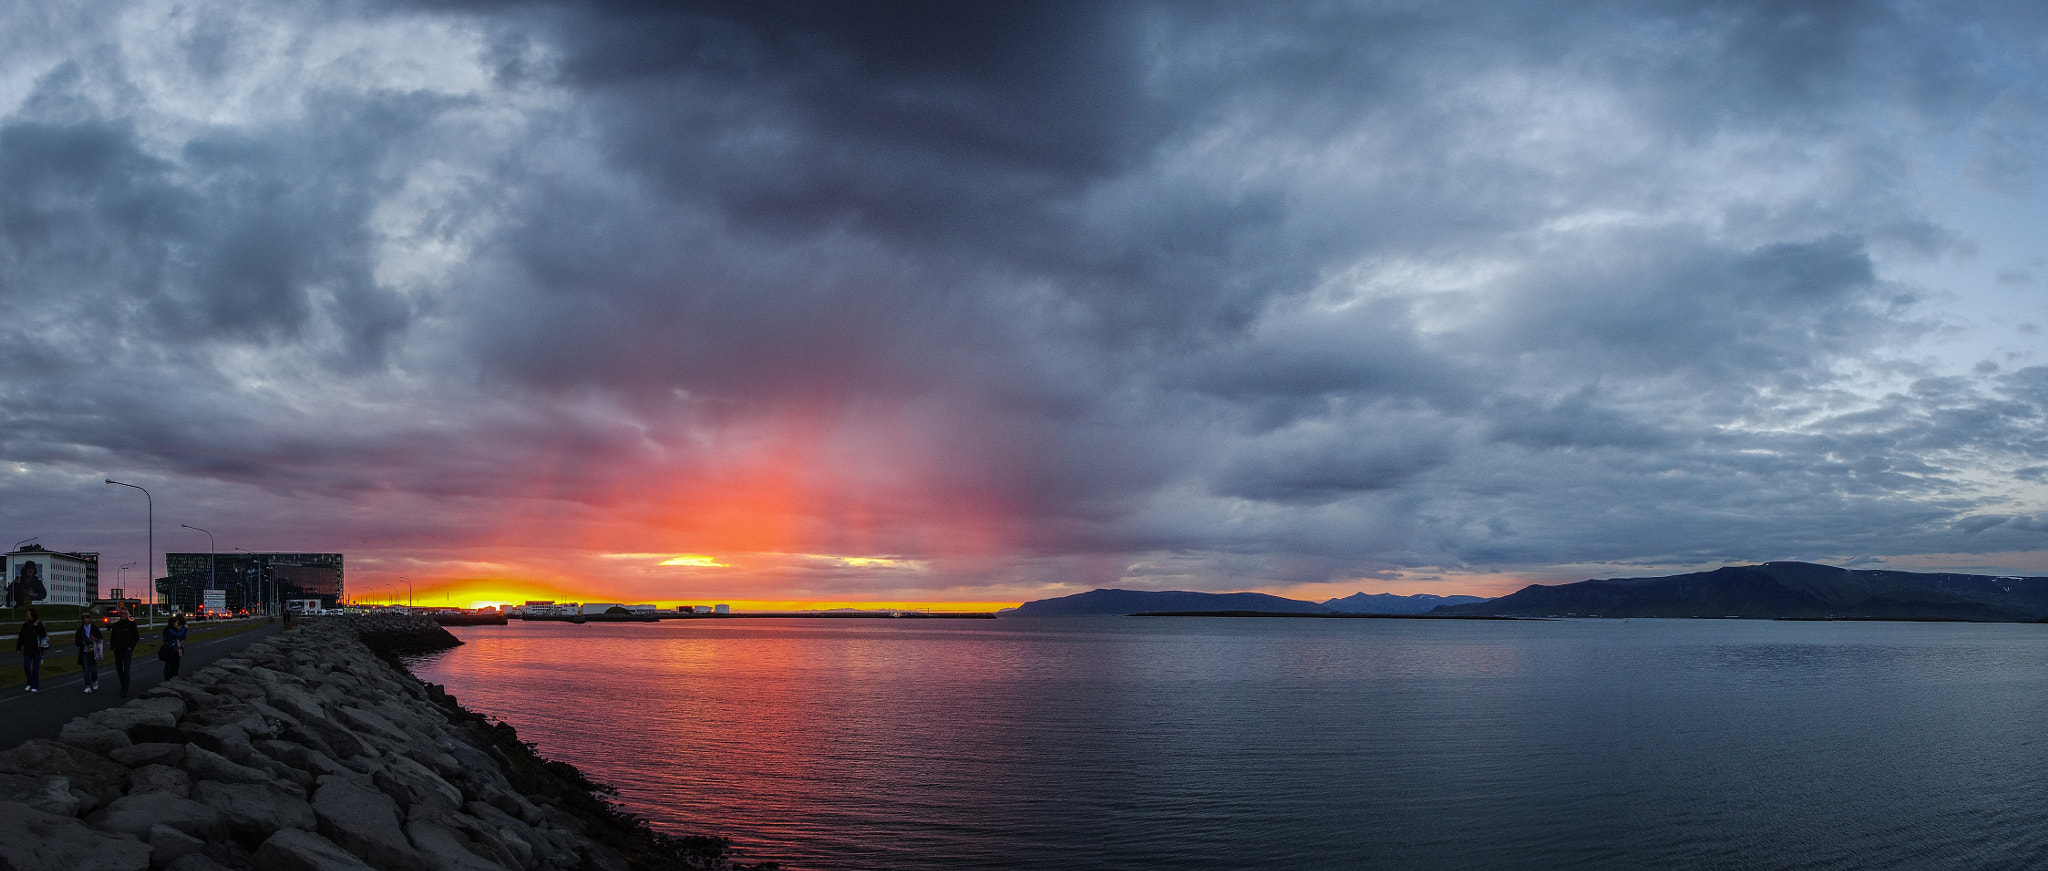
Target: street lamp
(148,568)
(210,584)
(408,591)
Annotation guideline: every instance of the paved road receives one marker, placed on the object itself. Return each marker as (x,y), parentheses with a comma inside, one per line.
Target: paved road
(25,715)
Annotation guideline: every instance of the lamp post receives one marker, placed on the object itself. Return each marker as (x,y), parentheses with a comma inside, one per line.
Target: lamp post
(209,558)
(408,591)
(148,568)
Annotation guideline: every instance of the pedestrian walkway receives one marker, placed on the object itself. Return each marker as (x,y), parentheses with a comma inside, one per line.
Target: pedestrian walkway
(25,715)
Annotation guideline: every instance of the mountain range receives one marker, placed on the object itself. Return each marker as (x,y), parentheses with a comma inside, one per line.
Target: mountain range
(1773,590)
(1782,590)
(1143,601)
(1388,603)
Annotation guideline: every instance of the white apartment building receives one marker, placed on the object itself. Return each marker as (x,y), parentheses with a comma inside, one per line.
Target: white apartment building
(70,578)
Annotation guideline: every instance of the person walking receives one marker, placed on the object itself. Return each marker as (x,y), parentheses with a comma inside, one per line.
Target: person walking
(90,646)
(31,642)
(124,636)
(174,646)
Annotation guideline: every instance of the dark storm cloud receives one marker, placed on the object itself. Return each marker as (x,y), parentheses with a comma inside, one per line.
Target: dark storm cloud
(236,238)
(1217,293)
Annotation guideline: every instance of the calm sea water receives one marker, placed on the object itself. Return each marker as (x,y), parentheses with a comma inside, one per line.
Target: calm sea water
(1269,743)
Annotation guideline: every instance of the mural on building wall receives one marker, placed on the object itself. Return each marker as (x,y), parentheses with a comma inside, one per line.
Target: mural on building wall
(27,585)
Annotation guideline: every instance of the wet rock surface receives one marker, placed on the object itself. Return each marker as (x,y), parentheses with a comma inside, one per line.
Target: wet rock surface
(315,750)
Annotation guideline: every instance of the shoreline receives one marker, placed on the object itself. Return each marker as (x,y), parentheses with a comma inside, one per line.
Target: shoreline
(317,749)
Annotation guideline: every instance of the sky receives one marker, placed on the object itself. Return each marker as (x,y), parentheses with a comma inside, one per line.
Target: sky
(953,304)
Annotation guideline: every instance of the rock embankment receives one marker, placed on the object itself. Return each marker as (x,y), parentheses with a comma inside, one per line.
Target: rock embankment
(309,752)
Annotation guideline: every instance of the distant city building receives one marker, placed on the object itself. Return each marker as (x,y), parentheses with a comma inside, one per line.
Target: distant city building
(700,609)
(67,578)
(641,609)
(722,609)
(249,578)
(590,608)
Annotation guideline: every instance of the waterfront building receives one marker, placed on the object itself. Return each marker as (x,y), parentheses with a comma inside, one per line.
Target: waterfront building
(252,578)
(68,578)
(700,609)
(721,609)
(641,609)
(599,607)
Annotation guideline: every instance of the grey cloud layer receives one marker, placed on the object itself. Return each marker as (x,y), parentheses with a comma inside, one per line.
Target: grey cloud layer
(1240,294)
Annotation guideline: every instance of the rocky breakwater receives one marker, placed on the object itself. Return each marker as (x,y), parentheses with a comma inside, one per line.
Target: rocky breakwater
(313,751)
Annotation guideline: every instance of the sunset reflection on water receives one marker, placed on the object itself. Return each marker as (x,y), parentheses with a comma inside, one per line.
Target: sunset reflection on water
(1183,743)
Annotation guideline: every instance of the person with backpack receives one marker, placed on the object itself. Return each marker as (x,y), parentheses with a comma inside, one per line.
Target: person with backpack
(30,642)
(125,637)
(90,642)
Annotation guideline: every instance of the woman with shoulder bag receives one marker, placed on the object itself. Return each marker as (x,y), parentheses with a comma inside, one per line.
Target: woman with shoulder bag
(174,646)
(30,642)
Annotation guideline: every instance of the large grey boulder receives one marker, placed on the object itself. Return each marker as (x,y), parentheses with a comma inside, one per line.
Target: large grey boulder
(276,718)
(160,778)
(172,704)
(96,776)
(208,765)
(97,737)
(49,794)
(500,839)
(342,741)
(298,850)
(445,849)
(153,712)
(301,757)
(297,702)
(133,814)
(254,810)
(233,722)
(32,840)
(371,723)
(167,845)
(196,862)
(365,823)
(504,799)
(415,786)
(152,753)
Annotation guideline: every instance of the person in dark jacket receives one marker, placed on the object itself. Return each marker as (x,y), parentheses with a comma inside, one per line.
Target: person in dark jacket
(89,639)
(30,642)
(124,636)
(174,646)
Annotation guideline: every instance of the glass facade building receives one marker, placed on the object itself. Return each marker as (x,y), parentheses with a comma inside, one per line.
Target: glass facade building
(249,578)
